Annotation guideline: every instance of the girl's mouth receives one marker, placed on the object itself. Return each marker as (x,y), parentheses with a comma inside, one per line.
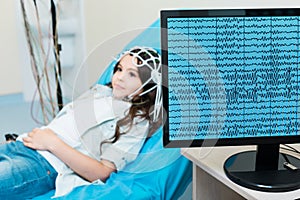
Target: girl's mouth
(117,86)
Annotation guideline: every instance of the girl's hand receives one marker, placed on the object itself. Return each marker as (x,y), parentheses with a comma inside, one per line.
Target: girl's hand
(40,139)
(87,167)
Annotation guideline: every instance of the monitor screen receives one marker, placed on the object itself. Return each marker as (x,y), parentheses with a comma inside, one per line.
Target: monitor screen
(231,77)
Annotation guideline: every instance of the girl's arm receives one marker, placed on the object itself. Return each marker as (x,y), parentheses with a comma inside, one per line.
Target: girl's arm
(85,166)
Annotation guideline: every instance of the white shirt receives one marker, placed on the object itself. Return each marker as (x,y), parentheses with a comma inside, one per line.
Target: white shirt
(84,124)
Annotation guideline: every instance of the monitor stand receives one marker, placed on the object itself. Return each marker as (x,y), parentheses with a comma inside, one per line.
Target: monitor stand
(264,169)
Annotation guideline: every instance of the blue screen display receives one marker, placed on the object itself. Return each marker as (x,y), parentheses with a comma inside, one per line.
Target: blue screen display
(233,77)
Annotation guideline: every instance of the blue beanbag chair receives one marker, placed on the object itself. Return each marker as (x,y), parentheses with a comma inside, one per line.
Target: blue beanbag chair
(157,173)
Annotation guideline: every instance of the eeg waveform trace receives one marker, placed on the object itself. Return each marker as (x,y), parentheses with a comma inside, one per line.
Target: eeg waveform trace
(233,77)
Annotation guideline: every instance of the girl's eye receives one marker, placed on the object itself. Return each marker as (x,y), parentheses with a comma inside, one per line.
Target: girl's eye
(132,74)
(119,69)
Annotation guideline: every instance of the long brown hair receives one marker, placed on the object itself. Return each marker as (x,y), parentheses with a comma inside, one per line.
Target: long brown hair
(142,106)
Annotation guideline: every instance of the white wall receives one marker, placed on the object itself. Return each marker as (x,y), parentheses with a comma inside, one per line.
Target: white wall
(103,22)
(10,74)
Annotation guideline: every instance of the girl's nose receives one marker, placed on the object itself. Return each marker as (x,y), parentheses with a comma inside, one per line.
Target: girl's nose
(121,76)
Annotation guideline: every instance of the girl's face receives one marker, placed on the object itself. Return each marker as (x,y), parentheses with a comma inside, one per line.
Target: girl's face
(126,79)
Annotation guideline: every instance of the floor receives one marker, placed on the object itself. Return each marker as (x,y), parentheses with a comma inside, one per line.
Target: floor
(15,115)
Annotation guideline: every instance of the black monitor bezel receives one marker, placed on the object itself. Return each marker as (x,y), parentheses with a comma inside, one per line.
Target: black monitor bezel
(165,14)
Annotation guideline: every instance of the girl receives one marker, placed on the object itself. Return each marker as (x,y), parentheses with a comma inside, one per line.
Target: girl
(90,138)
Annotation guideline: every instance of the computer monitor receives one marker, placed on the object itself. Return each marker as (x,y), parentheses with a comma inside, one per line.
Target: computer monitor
(232,77)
